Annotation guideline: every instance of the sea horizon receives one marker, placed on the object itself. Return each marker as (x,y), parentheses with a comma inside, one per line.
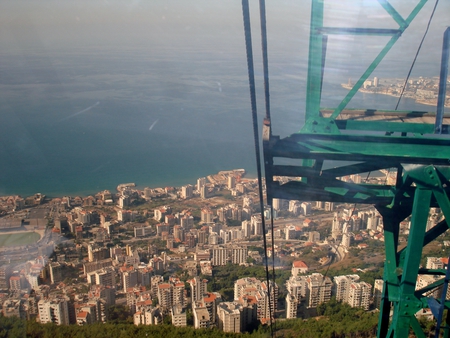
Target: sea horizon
(177,162)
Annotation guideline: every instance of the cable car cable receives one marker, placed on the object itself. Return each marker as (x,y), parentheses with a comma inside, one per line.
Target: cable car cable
(251,79)
(417,53)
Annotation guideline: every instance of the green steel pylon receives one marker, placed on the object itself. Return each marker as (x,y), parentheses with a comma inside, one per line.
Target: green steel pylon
(370,140)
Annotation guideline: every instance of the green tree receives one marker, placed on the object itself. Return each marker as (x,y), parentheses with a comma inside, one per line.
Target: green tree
(119,314)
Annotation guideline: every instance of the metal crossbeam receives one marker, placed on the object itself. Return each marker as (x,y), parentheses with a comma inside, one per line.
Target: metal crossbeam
(365,140)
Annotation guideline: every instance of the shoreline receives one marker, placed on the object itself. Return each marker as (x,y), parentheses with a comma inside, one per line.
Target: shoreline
(425,102)
(136,186)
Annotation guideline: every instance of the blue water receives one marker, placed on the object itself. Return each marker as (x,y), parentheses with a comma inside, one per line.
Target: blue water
(77,123)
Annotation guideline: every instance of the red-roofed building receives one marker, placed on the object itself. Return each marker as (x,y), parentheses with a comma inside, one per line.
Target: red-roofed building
(307,222)
(83,318)
(205,310)
(14,283)
(171,294)
(299,267)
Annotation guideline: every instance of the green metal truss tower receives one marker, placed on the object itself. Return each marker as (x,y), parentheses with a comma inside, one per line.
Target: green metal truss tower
(416,144)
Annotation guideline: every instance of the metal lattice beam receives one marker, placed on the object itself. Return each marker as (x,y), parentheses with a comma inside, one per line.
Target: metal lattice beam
(367,137)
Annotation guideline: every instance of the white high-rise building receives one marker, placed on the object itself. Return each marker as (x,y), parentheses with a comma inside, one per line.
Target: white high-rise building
(198,288)
(231,182)
(105,277)
(359,295)
(306,208)
(342,285)
(247,228)
(336,226)
(207,216)
(204,192)
(377,292)
(349,290)
(129,279)
(219,256)
(318,289)
(201,182)
(54,311)
(329,206)
(170,294)
(297,288)
(230,317)
(253,287)
(295,207)
(292,304)
(257,225)
(238,255)
(187,191)
(55,270)
(375,81)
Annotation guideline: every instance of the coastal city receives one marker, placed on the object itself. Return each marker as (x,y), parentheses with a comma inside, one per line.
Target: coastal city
(191,255)
(424,90)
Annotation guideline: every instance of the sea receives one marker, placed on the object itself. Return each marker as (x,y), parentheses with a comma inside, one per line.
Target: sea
(76,122)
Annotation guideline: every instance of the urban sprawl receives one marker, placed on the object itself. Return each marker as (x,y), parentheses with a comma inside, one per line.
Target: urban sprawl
(423,89)
(155,253)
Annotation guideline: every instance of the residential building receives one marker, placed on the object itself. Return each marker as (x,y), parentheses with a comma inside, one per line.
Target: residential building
(219,256)
(202,319)
(187,191)
(55,270)
(205,310)
(201,182)
(105,277)
(198,288)
(238,254)
(147,315)
(178,314)
(256,222)
(231,182)
(342,286)
(129,277)
(434,263)
(359,295)
(313,236)
(299,267)
(246,228)
(377,292)
(15,282)
(292,305)
(143,231)
(318,289)
(54,310)
(253,287)
(170,294)
(230,317)
(14,308)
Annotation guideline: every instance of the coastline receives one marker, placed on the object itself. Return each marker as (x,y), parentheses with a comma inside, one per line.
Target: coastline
(427,102)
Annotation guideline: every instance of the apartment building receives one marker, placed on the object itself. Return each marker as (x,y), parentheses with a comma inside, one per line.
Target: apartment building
(54,310)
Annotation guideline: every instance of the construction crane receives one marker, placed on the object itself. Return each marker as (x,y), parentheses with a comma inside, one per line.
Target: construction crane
(415,144)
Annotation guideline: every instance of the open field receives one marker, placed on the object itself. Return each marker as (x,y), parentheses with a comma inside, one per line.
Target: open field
(19,238)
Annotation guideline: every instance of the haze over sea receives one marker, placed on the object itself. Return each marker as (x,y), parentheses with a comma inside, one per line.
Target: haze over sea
(91,99)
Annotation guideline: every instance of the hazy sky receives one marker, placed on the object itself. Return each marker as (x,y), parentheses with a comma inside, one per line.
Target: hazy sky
(57,26)
(99,19)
